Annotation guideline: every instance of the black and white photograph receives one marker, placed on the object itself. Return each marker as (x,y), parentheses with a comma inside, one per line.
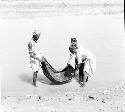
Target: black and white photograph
(62,56)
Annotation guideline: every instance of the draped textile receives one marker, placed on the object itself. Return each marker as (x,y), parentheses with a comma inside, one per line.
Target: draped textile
(57,77)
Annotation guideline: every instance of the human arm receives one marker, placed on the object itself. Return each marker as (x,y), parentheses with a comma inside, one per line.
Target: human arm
(70,59)
(90,67)
(31,53)
(34,56)
(72,52)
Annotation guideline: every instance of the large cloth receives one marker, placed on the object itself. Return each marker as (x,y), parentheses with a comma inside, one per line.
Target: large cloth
(57,77)
(33,63)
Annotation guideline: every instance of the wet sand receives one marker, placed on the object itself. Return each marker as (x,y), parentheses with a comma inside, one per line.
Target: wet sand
(101,98)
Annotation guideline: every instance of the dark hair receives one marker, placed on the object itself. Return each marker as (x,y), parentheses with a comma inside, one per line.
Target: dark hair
(35,38)
(73,40)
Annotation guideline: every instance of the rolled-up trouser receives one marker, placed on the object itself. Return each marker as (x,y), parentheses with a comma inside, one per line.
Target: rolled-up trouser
(81,72)
(35,77)
(34,65)
(83,75)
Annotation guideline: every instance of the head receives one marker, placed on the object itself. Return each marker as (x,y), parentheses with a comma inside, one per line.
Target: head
(73,41)
(73,47)
(36,35)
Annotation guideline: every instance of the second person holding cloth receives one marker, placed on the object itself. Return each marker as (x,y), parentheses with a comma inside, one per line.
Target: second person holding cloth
(84,61)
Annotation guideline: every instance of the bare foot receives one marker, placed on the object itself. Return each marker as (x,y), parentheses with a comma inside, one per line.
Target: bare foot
(81,84)
(35,85)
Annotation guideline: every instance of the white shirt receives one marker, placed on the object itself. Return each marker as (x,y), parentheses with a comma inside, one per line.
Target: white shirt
(35,49)
(80,52)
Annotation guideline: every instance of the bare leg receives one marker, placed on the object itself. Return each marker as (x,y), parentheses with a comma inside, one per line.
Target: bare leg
(34,78)
(81,75)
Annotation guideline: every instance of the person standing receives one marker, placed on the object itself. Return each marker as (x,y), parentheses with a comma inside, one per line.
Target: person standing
(34,55)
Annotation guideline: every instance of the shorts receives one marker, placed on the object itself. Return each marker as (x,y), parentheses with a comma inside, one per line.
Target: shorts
(34,65)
